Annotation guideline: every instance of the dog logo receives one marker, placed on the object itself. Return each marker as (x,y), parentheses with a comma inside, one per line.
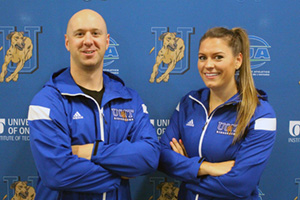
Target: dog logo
(167,191)
(19,52)
(171,52)
(22,191)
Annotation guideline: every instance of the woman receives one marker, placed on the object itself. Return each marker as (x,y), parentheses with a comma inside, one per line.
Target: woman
(220,137)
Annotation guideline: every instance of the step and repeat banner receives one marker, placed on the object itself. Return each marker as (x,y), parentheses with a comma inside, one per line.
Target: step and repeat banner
(32,48)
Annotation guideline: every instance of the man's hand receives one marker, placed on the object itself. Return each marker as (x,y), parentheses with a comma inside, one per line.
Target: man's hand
(83,151)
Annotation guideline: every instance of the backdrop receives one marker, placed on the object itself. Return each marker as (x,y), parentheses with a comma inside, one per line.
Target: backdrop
(135,27)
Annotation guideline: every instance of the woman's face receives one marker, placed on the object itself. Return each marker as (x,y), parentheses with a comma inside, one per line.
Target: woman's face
(217,65)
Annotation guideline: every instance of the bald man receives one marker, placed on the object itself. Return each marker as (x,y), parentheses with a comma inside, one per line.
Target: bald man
(89,133)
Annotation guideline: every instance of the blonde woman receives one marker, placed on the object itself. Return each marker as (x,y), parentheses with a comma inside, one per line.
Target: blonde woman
(221,136)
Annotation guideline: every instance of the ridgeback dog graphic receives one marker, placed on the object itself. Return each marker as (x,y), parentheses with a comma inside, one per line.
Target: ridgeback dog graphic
(171,52)
(22,191)
(19,52)
(167,191)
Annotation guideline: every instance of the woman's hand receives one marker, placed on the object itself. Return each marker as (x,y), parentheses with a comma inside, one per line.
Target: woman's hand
(83,151)
(178,147)
(206,168)
(215,169)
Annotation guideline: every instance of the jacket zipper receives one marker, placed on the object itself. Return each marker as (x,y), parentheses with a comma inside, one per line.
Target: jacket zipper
(101,116)
(100,110)
(101,124)
(208,119)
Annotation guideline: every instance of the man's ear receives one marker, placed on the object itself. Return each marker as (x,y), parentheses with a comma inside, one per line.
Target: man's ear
(67,42)
(107,41)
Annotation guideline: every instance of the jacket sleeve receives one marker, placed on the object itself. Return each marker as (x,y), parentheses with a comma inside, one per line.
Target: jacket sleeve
(250,161)
(172,163)
(51,148)
(138,155)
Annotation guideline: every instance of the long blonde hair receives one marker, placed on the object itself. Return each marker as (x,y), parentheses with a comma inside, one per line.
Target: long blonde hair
(239,42)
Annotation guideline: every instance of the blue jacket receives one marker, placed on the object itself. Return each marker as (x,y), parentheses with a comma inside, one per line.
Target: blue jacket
(126,144)
(209,137)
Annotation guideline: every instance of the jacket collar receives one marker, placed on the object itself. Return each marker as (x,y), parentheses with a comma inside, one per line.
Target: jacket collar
(65,84)
(203,96)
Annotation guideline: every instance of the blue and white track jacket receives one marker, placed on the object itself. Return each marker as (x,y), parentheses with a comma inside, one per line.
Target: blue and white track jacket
(209,137)
(126,143)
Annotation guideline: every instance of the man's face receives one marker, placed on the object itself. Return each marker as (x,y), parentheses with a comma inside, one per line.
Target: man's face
(87,40)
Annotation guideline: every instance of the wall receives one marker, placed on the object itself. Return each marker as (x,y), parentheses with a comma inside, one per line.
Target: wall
(135,27)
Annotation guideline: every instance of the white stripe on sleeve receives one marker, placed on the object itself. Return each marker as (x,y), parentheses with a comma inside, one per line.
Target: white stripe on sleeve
(38,113)
(267,124)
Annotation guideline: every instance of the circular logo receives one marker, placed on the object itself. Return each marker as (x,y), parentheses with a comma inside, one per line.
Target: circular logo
(259,51)
(111,53)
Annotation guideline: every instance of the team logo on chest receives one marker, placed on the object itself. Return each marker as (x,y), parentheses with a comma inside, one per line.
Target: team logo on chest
(122,114)
(226,128)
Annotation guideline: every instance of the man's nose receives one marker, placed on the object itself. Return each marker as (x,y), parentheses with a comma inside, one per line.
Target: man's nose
(88,39)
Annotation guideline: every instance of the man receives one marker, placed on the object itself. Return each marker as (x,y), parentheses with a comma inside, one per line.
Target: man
(89,133)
